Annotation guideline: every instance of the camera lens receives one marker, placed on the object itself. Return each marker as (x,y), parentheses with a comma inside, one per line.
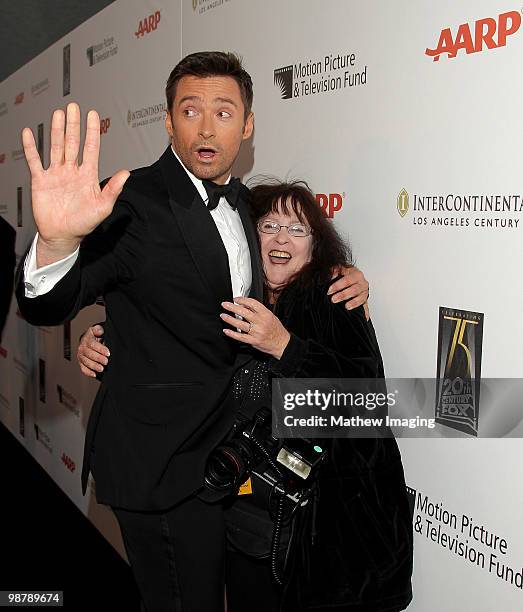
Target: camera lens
(229,466)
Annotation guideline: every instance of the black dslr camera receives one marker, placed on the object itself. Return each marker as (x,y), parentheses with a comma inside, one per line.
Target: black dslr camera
(283,479)
(290,466)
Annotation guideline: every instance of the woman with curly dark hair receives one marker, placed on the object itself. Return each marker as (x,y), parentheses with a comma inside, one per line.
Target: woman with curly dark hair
(361,556)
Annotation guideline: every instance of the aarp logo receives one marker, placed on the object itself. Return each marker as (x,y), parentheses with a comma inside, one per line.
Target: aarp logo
(148,24)
(330,203)
(105,124)
(484,34)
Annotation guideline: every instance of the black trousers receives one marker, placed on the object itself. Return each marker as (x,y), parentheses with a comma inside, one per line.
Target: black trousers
(180,562)
(177,556)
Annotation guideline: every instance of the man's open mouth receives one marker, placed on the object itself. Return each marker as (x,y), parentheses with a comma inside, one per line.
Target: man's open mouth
(206,153)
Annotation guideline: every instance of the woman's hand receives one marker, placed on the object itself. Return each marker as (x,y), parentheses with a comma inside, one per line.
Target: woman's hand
(261,329)
(92,355)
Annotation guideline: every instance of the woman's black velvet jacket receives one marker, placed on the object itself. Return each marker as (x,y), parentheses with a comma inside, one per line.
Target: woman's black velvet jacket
(361,558)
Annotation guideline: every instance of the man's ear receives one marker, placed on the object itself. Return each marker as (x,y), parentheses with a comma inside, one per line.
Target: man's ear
(168,123)
(248,127)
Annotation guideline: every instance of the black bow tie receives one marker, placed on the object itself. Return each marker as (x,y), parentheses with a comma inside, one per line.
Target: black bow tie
(215,192)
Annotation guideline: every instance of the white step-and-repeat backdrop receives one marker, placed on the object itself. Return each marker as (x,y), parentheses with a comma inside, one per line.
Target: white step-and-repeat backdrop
(405,118)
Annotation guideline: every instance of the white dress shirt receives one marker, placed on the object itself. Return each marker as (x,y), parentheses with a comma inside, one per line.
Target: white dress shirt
(39,281)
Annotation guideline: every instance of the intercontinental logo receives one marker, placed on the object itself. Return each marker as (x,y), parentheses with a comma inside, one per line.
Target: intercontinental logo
(203,6)
(101,51)
(40,87)
(330,73)
(17,154)
(146,115)
(68,400)
(460,341)
(469,210)
(403,202)
(43,437)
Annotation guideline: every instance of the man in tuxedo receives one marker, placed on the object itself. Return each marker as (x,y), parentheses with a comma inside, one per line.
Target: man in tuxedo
(177,244)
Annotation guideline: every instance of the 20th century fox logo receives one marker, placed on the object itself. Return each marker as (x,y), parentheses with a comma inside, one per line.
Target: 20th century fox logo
(460,339)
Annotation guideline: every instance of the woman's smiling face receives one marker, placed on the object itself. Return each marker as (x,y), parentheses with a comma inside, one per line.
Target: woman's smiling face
(282,254)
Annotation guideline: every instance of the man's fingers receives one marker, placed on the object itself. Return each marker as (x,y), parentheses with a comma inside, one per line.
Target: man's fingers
(356,301)
(87,372)
(31,154)
(95,345)
(347,294)
(92,141)
(113,188)
(90,364)
(98,330)
(342,283)
(57,137)
(72,133)
(94,354)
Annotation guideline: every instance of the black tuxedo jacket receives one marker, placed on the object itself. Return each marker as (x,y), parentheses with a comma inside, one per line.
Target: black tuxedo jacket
(163,270)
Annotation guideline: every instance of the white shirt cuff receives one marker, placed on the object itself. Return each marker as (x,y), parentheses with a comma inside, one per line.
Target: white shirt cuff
(38,281)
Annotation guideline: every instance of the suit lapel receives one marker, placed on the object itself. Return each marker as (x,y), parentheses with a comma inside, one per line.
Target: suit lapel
(197,227)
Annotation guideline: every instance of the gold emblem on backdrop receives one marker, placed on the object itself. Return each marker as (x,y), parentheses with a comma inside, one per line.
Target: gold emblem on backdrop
(403,202)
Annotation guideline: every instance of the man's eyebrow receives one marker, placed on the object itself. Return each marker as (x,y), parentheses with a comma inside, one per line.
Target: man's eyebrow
(226,100)
(219,99)
(190,98)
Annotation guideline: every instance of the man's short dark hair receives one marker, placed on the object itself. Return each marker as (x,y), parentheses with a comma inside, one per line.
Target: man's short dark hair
(207,64)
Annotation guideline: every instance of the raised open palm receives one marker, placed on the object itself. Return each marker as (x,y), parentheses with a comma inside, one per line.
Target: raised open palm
(67,200)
